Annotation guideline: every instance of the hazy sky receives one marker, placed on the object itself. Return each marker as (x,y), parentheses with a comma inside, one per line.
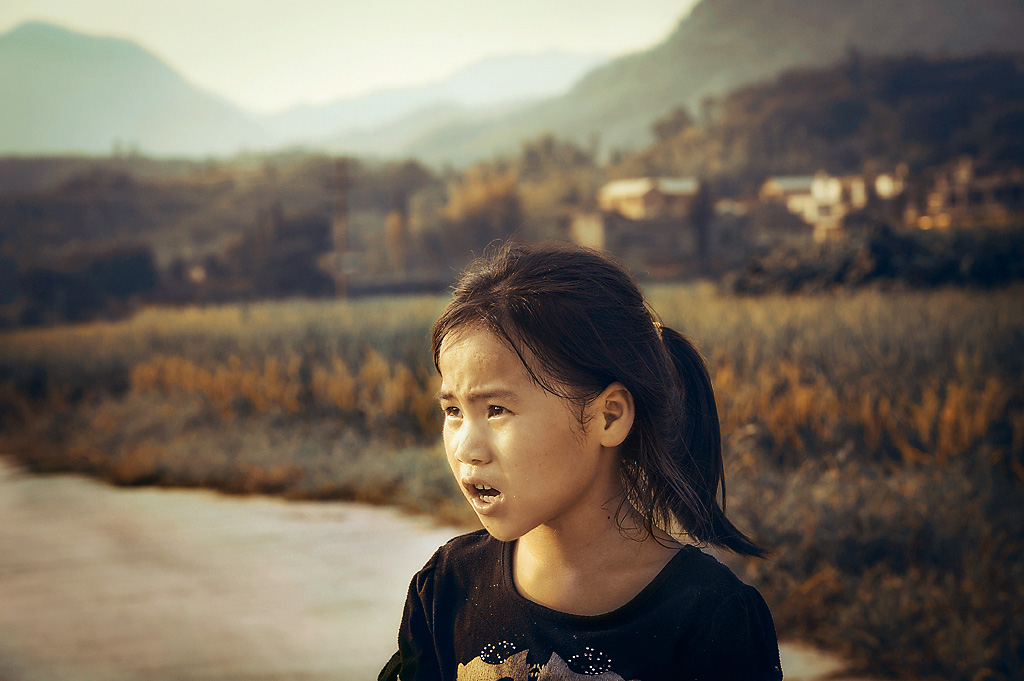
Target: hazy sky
(270,54)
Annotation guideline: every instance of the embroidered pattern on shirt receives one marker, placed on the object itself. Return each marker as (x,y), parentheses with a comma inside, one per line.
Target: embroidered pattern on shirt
(497,662)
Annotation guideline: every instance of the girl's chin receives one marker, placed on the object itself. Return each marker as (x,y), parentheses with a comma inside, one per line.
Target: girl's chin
(499,531)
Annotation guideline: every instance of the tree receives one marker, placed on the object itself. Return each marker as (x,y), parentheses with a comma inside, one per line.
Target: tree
(483,207)
(396,234)
(675,122)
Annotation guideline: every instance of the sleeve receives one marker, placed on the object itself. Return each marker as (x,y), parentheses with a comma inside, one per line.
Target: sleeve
(740,641)
(416,659)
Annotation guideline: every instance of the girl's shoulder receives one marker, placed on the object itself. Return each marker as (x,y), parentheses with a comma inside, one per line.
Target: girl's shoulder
(734,618)
(700,567)
(472,546)
(694,583)
(467,554)
(728,606)
(709,585)
(471,541)
(691,570)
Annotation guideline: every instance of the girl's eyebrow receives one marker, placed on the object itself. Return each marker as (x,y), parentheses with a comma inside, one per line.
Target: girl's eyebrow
(478,395)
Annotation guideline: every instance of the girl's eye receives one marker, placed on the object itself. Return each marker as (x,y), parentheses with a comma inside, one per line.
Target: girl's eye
(495,410)
(452,412)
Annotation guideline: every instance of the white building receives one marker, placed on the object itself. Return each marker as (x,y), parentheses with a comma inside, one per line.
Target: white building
(821,200)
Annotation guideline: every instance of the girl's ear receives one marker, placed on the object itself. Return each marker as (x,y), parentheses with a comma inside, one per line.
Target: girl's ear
(615,414)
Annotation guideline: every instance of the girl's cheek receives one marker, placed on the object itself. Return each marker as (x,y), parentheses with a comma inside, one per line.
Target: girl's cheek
(453,464)
(450,436)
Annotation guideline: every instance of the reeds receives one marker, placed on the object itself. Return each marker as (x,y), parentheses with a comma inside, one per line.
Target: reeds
(874,439)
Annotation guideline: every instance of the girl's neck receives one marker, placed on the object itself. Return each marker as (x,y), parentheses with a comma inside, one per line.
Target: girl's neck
(587,573)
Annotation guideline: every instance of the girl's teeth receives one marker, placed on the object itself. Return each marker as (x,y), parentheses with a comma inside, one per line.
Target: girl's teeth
(485,492)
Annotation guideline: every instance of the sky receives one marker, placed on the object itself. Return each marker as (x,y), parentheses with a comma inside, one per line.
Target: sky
(269,55)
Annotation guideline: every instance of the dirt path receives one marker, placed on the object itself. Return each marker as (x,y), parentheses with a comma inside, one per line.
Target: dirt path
(106,584)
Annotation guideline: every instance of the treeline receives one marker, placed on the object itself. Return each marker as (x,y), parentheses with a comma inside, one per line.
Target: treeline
(79,287)
(882,256)
(922,111)
(255,228)
(81,238)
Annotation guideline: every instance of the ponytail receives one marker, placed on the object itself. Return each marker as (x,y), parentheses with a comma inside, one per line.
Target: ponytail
(699,451)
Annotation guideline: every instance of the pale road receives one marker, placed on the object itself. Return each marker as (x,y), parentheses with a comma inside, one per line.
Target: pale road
(105,584)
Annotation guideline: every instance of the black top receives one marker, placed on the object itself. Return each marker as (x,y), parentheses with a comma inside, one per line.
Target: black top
(465,621)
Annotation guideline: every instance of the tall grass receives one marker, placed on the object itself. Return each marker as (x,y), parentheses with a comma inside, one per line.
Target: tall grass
(874,439)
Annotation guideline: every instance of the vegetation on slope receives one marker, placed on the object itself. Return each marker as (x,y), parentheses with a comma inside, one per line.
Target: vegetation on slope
(866,111)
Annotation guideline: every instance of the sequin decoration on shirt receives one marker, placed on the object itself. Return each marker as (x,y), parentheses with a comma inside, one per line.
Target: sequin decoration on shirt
(500,661)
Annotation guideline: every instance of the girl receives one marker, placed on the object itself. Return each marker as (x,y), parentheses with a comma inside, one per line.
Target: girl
(585,436)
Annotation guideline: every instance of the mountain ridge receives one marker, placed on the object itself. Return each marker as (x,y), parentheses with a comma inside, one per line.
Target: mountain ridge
(724,44)
(70,91)
(67,92)
(718,46)
(493,82)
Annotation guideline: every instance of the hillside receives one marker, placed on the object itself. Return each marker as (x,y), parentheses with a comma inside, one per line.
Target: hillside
(64,91)
(724,44)
(882,111)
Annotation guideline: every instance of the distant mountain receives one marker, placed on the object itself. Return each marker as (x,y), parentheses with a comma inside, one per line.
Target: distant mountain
(493,83)
(391,139)
(65,92)
(723,44)
(62,91)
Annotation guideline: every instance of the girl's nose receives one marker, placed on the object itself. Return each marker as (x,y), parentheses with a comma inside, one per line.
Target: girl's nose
(473,458)
(472,449)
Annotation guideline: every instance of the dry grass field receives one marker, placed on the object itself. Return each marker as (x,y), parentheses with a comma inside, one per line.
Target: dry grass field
(875,439)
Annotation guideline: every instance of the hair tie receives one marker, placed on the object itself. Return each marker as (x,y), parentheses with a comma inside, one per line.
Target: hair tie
(658,327)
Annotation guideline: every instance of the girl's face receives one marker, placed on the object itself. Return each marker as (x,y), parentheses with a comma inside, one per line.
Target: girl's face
(517,451)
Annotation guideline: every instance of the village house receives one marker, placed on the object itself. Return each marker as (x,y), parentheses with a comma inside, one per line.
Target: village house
(821,200)
(794,192)
(959,196)
(643,221)
(646,197)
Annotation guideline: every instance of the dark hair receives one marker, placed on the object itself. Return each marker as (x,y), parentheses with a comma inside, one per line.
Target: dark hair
(581,317)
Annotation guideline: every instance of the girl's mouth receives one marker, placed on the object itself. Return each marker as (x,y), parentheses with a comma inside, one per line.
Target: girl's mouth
(483,497)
